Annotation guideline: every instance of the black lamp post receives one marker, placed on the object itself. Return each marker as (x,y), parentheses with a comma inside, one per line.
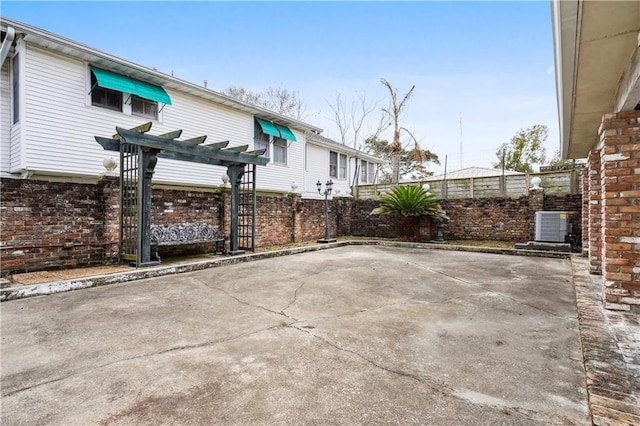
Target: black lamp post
(326,192)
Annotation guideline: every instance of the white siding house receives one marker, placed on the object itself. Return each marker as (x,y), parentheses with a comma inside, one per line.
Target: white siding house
(346,167)
(55,97)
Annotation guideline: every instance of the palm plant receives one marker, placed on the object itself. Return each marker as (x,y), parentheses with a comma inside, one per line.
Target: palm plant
(412,203)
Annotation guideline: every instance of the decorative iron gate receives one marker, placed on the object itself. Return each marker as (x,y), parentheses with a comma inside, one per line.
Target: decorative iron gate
(246,210)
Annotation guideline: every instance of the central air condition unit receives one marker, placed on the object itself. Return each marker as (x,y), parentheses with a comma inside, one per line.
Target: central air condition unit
(552,226)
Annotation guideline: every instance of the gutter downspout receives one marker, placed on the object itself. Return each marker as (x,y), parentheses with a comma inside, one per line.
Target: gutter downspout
(6,45)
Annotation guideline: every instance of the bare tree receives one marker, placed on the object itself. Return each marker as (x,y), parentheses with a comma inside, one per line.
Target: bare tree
(393,111)
(277,99)
(244,95)
(351,119)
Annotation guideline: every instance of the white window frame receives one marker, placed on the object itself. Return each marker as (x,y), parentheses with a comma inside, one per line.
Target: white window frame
(343,164)
(281,145)
(333,166)
(339,169)
(363,171)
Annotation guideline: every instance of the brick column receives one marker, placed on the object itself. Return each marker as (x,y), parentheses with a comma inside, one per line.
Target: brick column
(593,228)
(110,187)
(297,207)
(585,211)
(620,173)
(536,203)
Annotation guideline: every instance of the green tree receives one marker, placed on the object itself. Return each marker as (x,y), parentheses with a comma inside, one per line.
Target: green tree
(412,161)
(524,150)
(393,111)
(410,202)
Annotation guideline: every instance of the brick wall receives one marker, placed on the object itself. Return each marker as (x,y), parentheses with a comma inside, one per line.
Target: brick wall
(620,209)
(50,225)
(503,219)
(594,221)
(37,213)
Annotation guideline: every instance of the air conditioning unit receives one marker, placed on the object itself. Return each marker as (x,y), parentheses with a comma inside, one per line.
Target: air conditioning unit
(552,226)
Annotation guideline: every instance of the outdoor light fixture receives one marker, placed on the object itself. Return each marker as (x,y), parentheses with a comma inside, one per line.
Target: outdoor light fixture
(326,192)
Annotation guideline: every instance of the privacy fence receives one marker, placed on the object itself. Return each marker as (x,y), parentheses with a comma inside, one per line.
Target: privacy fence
(507,186)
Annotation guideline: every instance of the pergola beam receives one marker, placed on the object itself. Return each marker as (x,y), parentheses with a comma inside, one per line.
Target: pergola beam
(192,152)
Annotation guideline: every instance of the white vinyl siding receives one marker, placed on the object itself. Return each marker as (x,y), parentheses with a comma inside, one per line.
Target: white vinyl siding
(61,127)
(317,168)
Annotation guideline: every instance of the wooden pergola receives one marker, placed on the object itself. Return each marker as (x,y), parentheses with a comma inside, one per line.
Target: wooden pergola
(139,153)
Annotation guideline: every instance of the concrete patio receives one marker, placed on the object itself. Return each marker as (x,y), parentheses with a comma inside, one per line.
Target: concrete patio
(351,335)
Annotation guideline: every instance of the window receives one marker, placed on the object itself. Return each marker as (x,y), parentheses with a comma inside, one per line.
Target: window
(15,87)
(279,151)
(105,98)
(363,171)
(333,164)
(261,140)
(337,165)
(367,172)
(343,166)
(266,133)
(144,108)
(121,93)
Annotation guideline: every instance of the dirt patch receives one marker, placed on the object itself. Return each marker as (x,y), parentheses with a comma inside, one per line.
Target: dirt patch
(40,277)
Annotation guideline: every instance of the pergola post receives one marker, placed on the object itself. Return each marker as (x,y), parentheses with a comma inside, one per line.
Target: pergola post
(235,172)
(147,160)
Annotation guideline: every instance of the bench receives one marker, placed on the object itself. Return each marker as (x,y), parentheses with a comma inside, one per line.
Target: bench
(187,233)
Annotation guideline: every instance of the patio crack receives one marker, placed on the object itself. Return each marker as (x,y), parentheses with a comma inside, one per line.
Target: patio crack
(243,302)
(445,390)
(440,388)
(142,356)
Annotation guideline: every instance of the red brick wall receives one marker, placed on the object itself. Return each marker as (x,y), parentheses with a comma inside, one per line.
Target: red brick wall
(37,213)
(620,209)
(503,219)
(50,225)
(595,198)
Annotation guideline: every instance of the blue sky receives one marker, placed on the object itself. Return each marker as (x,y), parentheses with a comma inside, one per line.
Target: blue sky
(490,63)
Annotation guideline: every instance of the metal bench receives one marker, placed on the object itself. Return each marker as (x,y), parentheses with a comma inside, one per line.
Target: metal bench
(187,233)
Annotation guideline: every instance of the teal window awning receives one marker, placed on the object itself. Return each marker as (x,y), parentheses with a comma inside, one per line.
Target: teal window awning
(152,92)
(122,83)
(113,81)
(268,128)
(286,133)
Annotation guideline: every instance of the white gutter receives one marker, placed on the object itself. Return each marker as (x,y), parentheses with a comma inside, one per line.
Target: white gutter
(6,45)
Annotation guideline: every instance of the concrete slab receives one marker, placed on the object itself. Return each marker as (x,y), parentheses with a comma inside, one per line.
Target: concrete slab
(350,335)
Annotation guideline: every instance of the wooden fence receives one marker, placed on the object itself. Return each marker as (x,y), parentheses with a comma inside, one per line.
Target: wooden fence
(508,186)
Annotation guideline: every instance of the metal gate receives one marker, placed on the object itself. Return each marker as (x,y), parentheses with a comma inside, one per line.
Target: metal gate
(130,209)
(246,210)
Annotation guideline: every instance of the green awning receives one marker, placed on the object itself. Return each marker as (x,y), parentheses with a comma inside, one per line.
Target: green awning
(268,128)
(113,81)
(122,83)
(286,133)
(152,92)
